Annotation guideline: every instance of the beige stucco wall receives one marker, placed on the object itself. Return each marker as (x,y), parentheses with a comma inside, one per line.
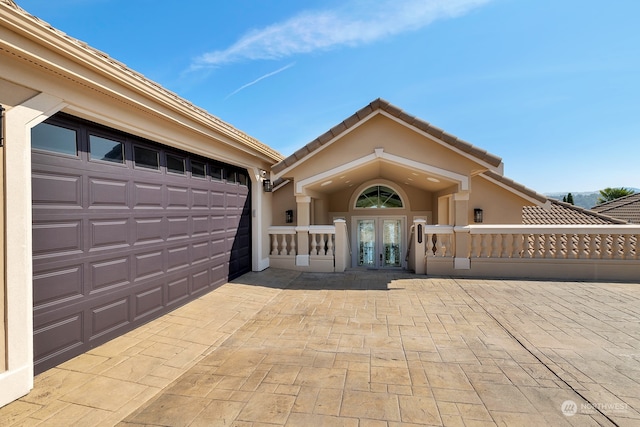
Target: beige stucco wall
(499,205)
(283,200)
(383,132)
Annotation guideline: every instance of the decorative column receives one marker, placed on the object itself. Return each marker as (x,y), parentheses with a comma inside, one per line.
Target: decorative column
(303,204)
(341,254)
(419,246)
(461,260)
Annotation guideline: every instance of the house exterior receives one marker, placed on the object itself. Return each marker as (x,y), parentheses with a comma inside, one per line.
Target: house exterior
(121,200)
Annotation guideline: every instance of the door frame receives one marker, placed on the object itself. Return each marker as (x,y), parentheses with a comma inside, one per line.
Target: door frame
(378,219)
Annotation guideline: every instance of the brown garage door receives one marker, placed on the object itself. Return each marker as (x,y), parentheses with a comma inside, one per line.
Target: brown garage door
(125,230)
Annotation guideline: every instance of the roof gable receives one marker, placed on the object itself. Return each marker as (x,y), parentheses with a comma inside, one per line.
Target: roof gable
(626,208)
(380,106)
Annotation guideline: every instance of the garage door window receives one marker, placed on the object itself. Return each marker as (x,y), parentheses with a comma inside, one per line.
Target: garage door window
(146,158)
(175,164)
(216,172)
(106,150)
(198,169)
(54,138)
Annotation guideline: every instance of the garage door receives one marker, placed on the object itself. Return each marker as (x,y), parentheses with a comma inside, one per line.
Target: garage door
(124,230)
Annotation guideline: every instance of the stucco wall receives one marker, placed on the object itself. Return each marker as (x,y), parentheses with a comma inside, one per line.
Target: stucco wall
(282,200)
(499,205)
(383,132)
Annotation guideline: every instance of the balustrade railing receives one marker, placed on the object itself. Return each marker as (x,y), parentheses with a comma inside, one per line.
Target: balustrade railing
(440,241)
(283,241)
(618,242)
(322,240)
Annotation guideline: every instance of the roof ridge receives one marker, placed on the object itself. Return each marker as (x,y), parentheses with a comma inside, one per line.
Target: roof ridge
(586,211)
(618,200)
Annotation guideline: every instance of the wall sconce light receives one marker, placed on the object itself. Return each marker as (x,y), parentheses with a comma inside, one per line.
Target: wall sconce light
(267,186)
(289,216)
(477,215)
(1,126)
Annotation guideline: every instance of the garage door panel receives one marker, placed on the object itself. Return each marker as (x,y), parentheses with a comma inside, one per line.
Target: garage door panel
(148,230)
(56,337)
(115,246)
(57,286)
(178,290)
(148,301)
(178,197)
(148,265)
(147,195)
(217,199)
(178,257)
(56,238)
(108,317)
(200,252)
(109,234)
(60,190)
(108,193)
(200,226)
(199,199)
(108,274)
(178,227)
(200,280)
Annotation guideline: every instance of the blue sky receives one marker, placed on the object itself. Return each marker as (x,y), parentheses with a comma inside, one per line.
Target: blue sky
(551,86)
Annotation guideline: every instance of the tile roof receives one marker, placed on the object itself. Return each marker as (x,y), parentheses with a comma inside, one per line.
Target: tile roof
(149,85)
(382,105)
(562,213)
(626,208)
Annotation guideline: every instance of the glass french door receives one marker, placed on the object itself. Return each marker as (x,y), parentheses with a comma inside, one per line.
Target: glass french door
(379,242)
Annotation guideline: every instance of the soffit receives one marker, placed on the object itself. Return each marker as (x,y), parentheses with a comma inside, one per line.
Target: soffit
(381,169)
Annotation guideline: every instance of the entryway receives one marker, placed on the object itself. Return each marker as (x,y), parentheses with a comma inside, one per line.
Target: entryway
(379,241)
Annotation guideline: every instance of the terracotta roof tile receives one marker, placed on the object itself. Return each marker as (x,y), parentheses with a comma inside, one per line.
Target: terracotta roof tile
(561,213)
(625,208)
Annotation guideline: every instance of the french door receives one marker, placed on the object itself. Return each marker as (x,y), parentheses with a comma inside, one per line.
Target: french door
(379,242)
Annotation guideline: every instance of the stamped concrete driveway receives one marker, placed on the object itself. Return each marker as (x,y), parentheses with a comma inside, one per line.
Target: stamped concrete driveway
(373,348)
(363,348)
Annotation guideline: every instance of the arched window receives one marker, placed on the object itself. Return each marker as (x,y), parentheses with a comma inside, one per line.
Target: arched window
(379,196)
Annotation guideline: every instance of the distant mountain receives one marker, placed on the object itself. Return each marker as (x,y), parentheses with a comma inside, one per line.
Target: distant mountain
(585,200)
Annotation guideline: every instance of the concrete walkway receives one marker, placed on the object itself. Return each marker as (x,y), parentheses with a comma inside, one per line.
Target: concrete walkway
(367,348)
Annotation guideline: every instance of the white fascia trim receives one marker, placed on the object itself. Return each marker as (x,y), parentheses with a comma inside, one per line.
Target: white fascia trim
(497,169)
(536,202)
(392,158)
(325,145)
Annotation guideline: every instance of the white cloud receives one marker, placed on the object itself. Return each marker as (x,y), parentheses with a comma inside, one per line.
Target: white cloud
(273,73)
(358,22)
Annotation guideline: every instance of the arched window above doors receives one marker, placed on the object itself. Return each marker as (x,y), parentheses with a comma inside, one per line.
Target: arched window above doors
(379,196)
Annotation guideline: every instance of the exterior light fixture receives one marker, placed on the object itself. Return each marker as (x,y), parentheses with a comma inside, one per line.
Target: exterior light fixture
(267,186)
(477,215)
(289,216)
